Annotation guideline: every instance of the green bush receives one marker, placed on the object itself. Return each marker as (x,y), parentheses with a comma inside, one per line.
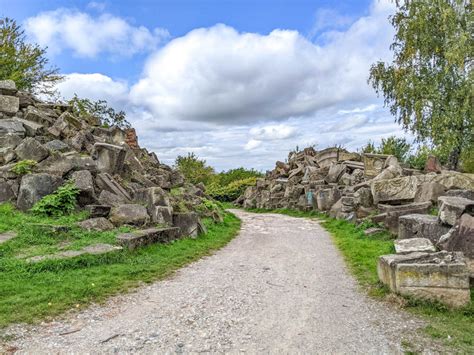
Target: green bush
(23,167)
(61,202)
(231,191)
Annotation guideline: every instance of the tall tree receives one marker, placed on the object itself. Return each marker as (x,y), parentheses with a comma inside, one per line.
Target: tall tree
(429,84)
(24,63)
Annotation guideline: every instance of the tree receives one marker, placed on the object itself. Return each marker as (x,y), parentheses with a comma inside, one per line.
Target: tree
(194,169)
(24,63)
(395,146)
(429,84)
(100,110)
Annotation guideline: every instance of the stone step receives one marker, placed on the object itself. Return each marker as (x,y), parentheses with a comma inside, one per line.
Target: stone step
(95,249)
(149,236)
(6,236)
(404,246)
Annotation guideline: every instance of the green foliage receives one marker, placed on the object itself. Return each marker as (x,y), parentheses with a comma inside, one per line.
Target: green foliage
(99,109)
(194,169)
(395,146)
(226,177)
(231,191)
(23,167)
(61,202)
(24,63)
(31,292)
(369,148)
(419,157)
(428,86)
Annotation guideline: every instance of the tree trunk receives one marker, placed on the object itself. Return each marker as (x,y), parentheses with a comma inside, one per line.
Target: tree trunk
(453,159)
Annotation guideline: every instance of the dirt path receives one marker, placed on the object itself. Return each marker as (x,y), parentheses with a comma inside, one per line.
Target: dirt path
(280,286)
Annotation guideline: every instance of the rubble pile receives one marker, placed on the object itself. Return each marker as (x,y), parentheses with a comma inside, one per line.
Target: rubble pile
(377,187)
(119,182)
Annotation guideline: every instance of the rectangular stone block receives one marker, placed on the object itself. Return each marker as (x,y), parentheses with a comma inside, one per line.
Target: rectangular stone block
(9,104)
(149,236)
(420,226)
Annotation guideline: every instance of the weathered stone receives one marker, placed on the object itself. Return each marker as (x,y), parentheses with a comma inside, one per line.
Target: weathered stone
(153,196)
(404,246)
(327,156)
(451,208)
(129,214)
(161,214)
(136,239)
(107,182)
(11,127)
(31,149)
(95,249)
(96,224)
(469,194)
(62,164)
(388,173)
(460,237)
(346,179)
(7,192)
(7,87)
(57,146)
(438,276)
(82,140)
(373,164)
(65,126)
(393,213)
(394,190)
(325,198)
(83,181)
(35,186)
(335,172)
(6,236)
(110,158)
(429,191)
(35,115)
(433,165)
(363,197)
(98,210)
(7,155)
(373,230)
(9,140)
(108,198)
(187,222)
(450,180)
(420,226)
(9,105)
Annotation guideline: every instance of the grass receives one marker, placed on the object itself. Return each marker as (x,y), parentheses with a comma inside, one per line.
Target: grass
(454,327)
(32,292)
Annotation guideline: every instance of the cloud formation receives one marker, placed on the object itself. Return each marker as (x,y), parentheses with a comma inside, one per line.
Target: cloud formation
(88,36)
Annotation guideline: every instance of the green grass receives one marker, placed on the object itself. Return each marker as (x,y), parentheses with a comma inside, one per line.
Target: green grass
(32,292)
(454,327)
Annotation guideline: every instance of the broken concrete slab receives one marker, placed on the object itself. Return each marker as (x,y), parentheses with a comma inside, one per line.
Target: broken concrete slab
(429,192)
(106,182)
(7,87)
(136,239)
(404,246)
(161,214)
(84,182)
(95,249)
(110,158)
(421,226)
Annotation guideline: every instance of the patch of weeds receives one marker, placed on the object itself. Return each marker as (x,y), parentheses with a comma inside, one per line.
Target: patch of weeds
(23,167)
(61,202)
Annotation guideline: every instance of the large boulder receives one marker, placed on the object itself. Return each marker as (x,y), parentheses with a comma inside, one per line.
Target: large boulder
(108,198)
(62,164)
(325,198)
(451,208)
(335,172)
(35,115)
(187,222)
(57,145)
(420,226)
(429,191)
(9,105)
(8,190)
(65,126)
(404,246)
(33,187)
(110,158)
(397,190)
(11,126)
(84,182)
(31,149)
(99,224)
(161,215)
(393,213)
(7,87)
(461,237)
(129,214)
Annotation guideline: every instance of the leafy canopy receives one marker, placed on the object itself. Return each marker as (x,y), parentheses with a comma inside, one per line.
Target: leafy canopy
(24,63)
(194,169)
(429,84)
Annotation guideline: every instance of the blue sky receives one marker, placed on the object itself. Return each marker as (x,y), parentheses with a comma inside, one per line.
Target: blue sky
(237,82)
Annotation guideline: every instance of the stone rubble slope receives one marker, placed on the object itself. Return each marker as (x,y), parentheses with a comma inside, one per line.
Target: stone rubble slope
(117,179)
(356,187)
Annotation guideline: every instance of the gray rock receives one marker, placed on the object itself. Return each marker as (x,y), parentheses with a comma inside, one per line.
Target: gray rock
(460,237)
(35,186)
(393,213)
(7,87)
(373,230)
(32,129)
(110,158)
(9,105)
(9,140)
(396,190)
(429,191)
(129,214)
(57,146)
(420,226)
(363,197)
(106,182)
(7,155)
(98,210)
(65,126)
(12,127)
(325,198)
(109,199)
(404,246)
(187,222)
(145,237)
(35,115)
(95,249)
(469,194)
(335,172)
(62,164)
(7,192)
(83,181)
(31,149)
(96,224)
(161,214)
(451,208)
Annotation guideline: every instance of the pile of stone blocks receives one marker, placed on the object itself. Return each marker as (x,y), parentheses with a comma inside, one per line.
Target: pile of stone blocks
(119,182)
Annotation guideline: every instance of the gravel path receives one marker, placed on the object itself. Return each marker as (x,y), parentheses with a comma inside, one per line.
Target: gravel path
(279,287)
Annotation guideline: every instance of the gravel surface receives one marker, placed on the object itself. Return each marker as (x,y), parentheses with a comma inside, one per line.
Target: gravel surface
(281,286)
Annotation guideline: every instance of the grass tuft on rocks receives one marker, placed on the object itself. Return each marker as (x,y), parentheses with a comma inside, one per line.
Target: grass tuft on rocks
(32,292)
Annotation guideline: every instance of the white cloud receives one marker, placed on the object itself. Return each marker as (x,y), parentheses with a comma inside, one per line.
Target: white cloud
(329,19)
(220,75)
(273,132)
(88,36)
(252,144)
(96,5)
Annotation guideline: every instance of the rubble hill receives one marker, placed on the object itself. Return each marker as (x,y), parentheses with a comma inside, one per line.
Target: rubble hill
(42,145)
(356,187)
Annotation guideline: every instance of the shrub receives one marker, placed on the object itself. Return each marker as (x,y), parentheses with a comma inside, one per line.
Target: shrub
(23,167)
(194,169)
(232,191)
(59,203)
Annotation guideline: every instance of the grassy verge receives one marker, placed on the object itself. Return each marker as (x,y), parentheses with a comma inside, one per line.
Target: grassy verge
(454,327)
(30,292)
